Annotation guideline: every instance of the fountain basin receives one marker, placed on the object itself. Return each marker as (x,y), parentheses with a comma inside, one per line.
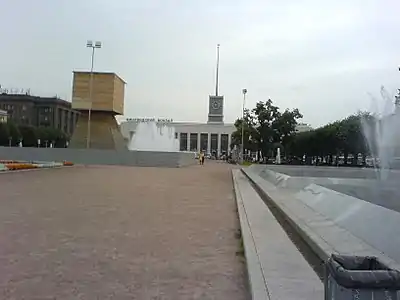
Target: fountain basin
(366,208)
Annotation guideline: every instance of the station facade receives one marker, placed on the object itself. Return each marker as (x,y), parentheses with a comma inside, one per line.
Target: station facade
(213,137)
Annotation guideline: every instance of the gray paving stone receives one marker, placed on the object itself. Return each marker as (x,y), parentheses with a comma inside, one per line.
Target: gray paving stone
(286,273)
(112,232)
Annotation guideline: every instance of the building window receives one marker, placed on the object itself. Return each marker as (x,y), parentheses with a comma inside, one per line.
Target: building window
(193,142)
(224,143)
(183,141)
(214,143)
(204,142)
(23,107)
(176,135)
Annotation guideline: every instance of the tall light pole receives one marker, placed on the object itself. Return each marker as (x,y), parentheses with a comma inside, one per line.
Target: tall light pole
(97,45)
(244,91)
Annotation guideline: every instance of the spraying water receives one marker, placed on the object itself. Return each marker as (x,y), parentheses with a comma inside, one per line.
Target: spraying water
(382,133)
(278,156)
(154,136)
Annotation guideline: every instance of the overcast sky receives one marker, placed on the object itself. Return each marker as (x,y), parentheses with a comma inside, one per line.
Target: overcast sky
(322,57)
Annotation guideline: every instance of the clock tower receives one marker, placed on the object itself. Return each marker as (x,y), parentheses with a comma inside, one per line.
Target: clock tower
(216,109)
(216,103)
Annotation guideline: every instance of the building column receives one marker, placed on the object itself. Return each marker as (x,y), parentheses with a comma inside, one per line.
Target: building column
(229,143)
(209,142)
(198,142)
(188,142)
(219,145)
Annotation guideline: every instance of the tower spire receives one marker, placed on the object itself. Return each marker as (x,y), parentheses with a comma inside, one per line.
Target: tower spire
(217,75)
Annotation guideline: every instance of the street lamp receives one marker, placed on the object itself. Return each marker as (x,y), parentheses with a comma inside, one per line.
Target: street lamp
(97,45)
(244,91)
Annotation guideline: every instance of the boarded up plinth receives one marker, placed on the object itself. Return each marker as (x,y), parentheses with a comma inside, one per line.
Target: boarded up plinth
(106,101)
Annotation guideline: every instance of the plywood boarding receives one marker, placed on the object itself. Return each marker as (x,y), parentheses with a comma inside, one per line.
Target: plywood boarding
(119,95)
(107,92)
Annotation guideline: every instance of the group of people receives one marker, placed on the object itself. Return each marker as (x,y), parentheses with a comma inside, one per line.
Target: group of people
(201,158)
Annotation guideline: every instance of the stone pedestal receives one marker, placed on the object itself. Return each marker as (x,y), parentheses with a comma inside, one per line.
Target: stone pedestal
(104,132)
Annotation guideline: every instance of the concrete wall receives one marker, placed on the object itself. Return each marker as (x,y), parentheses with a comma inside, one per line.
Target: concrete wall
(187,159)
(100,157)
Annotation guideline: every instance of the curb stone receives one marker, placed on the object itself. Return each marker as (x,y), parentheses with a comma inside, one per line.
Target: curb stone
(258,288)
(276,268)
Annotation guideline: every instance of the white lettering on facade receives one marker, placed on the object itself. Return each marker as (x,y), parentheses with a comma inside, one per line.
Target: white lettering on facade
(145,120)
(14,91)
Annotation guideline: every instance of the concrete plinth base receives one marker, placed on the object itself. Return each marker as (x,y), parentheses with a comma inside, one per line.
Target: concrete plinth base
(104,132)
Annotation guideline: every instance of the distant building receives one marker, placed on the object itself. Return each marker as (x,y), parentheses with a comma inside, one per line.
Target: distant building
(3,116)
(303,127)
(211,137)
(39,111)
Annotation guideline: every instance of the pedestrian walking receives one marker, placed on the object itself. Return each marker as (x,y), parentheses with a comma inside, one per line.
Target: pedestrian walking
(201,158)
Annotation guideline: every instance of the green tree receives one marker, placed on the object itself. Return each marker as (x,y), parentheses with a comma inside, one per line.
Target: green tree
(61,139)
(343,137)
(54,136)
(28,135)
(4,134)
(13,132)
(248,129)
(284,127)
(266,128)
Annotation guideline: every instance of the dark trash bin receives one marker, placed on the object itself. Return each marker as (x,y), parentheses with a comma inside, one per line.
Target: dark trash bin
(360,278)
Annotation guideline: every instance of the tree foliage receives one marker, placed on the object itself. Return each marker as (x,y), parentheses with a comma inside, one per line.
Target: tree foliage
(29,135)
(341,138)
(14,135)
(4,134)
(266,127)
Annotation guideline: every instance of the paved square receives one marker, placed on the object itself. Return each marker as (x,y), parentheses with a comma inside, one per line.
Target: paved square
(120,233)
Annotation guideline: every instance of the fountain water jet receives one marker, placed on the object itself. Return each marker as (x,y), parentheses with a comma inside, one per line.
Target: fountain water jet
(154,136)
(382,133)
